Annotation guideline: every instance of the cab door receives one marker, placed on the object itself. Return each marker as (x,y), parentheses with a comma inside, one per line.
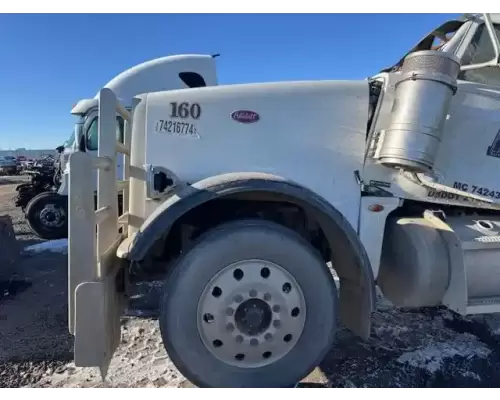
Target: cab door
(470,150)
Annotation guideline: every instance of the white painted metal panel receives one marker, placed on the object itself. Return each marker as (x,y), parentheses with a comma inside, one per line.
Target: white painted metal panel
(310,132)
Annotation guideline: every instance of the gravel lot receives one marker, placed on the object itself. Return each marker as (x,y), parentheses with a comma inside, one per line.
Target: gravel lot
(428,348)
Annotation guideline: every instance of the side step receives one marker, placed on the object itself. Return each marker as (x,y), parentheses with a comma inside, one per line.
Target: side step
(484,305)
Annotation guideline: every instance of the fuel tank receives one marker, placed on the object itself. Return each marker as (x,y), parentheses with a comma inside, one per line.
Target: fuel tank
(419,258)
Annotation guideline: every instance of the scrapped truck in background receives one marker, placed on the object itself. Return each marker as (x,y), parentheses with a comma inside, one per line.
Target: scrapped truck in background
(46,218)
(239,196)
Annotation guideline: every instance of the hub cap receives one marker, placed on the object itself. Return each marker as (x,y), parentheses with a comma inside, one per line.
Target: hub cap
(251,313)
(51,216)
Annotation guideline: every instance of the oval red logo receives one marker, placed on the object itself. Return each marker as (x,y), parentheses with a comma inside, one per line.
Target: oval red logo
(245,116)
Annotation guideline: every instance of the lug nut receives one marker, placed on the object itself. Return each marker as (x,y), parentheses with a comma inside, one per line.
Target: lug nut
(208,318)
(230,327)
(276,308)
(239,339)
(276,323)
(268,337)
(253,293)
(229,312)
(238,298)
(254,342)
(267,296)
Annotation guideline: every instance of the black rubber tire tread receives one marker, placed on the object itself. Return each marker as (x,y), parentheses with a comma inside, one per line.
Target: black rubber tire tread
(217,248)
(37,203)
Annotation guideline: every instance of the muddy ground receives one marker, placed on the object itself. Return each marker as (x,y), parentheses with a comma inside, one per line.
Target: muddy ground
(424,348)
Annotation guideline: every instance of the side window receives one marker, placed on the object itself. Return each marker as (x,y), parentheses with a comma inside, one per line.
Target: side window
(92,132)
(481,50)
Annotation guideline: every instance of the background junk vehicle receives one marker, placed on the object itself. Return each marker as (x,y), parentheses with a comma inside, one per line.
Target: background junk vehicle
(45,211)
(396,187)
(8,165)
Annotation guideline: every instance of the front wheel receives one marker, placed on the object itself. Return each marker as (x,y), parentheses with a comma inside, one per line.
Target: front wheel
(251,305)
(47,215)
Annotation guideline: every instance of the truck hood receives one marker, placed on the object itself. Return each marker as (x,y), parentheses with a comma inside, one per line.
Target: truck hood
(311,132)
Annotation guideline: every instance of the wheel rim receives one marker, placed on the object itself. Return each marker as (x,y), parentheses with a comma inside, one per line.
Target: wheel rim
(52,216)
(251,313)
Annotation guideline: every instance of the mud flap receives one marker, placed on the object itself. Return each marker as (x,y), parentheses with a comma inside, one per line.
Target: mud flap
(98,306)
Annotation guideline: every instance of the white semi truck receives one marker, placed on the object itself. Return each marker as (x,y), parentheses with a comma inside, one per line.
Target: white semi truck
(242,194)
(47,213)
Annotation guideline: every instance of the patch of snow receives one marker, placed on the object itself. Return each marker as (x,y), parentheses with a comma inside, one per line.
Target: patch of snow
(470,374)
(432,356)
(391,330)
(58,246)
(151,284)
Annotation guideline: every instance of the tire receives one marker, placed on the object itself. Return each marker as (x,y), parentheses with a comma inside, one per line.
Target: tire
(182,321)
(43,228)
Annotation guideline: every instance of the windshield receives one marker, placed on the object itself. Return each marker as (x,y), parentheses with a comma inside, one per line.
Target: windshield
(70,141)
(481,50)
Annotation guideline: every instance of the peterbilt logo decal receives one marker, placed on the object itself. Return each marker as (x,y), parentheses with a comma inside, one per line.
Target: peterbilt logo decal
(245,116)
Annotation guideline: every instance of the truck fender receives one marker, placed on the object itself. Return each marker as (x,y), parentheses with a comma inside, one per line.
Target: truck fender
(350,260)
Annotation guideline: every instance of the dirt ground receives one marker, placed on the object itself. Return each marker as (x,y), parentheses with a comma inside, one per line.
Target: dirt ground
(425,348)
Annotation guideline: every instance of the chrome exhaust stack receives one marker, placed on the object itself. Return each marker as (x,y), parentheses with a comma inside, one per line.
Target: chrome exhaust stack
(422,102)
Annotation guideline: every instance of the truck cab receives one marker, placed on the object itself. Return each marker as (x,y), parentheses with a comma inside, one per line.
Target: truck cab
(47,212)
(248,199)
(166,73)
